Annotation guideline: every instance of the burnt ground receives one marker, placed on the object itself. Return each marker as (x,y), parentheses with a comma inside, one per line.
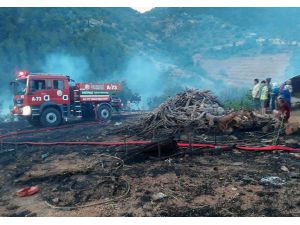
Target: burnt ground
(205,183)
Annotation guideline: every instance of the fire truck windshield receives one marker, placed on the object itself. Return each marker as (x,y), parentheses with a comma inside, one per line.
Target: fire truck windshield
(20,87)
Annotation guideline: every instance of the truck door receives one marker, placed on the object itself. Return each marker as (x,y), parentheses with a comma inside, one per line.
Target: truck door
(39,91)
(61,91)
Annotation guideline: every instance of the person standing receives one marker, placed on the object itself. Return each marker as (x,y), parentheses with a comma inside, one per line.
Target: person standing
(269,86)
(286,91)
(263,97)
(274,94)
(256,95)
(288,86)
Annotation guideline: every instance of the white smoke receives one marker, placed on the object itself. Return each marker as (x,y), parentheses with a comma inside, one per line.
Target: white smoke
(6,99)
(6,102)
(143,76)
(76,67)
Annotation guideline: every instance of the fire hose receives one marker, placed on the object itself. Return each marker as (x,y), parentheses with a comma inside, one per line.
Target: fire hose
(121,143)
(246,148)
(124,143)
(179,144)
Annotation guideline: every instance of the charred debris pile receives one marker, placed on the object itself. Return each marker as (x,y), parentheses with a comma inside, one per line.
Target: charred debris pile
(198,111)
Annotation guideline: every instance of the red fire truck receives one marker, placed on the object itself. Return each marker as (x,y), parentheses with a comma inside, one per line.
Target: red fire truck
(50,99)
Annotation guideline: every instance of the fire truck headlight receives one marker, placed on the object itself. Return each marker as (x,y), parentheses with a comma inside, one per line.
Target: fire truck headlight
(26,111)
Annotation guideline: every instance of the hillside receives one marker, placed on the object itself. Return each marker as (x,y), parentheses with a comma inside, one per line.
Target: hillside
(182,46)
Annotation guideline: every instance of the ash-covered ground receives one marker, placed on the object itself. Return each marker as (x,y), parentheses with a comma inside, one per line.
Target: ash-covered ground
(204,183)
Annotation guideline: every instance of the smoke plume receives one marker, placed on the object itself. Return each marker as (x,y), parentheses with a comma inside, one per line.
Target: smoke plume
(143,76)
(76,67)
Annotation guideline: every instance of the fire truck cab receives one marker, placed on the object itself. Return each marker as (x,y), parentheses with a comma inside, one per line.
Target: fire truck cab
(49,99)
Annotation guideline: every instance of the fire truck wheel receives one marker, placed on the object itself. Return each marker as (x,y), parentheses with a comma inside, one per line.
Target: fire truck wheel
(51,117)
(104,112)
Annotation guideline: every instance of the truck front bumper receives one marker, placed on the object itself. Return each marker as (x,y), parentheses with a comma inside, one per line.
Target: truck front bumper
(21,111)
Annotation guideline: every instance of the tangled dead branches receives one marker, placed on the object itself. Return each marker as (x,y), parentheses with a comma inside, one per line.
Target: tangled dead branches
(192,109)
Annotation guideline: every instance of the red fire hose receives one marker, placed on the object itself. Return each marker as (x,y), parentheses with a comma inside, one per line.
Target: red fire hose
(120,143)
(246,148)
(267,148)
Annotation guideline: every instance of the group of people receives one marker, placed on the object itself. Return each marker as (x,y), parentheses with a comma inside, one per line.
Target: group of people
(267,96)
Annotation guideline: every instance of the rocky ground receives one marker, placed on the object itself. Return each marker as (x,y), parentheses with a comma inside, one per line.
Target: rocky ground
(206,183)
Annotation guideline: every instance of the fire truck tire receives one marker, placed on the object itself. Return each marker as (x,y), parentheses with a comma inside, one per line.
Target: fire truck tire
(34,122)
(104,112)
(50,118)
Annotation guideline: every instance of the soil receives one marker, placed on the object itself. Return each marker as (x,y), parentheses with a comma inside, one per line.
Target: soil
(208,183)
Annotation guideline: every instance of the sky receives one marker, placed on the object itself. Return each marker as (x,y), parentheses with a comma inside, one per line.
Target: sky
(142,9)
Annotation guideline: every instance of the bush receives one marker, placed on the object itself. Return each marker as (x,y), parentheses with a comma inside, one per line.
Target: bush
(239,99)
